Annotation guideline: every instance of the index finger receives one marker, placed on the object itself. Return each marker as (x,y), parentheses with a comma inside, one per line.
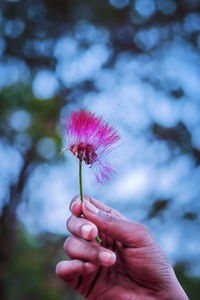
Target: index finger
(76,206)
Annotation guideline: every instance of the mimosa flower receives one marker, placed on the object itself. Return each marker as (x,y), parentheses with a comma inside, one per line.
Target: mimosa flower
(91,140)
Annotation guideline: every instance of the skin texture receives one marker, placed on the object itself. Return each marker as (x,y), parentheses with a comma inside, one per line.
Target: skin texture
(128,264)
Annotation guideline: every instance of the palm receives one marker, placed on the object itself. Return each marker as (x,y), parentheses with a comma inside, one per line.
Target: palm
(127,265)
(136,274)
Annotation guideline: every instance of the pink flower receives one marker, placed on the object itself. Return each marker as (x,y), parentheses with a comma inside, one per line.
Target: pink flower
(91,139)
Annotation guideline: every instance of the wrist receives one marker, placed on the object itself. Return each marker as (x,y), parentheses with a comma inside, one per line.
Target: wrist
(176,292)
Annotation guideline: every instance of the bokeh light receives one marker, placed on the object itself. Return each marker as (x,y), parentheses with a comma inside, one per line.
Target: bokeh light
(167,7)
(45,84)
(146,8)
(20,120)
(119,3)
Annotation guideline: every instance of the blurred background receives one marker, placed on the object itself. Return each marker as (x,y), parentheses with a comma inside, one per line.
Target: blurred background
(135,62)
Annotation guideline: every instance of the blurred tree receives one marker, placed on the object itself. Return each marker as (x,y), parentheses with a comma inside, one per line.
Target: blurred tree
(158,207)
(29,33)
(44,117)
(190,283)
(30,271)
(178,137)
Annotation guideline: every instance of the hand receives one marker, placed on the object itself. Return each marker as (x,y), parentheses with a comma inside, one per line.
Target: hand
(128,264)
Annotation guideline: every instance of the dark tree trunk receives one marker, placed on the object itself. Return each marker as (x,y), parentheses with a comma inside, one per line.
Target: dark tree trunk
(8,223)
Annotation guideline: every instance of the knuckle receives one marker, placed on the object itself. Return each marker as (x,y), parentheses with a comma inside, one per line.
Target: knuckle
(110,217)
(144,235)
(109,220)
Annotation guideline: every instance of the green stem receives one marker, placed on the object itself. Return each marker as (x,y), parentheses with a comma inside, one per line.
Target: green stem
(98,239)
(80,180)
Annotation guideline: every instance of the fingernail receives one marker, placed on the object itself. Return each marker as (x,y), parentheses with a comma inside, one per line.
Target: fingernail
(75,202)
(86,229)
(90,207)
(107,257)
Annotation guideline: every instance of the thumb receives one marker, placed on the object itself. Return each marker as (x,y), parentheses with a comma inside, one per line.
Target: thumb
(129,233)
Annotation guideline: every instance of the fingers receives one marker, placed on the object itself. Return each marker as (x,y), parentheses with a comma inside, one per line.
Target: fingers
(129,233)
(91,252)
(68,270)
(82,228)
(76,206)
(103,207)
(112,223)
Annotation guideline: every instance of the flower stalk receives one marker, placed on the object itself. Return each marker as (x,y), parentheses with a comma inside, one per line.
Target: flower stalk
(98,239)
(80,180)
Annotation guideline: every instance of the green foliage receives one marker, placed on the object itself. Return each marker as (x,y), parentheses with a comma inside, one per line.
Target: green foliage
(44,114)
(189,283)
(29,270)
(30,273)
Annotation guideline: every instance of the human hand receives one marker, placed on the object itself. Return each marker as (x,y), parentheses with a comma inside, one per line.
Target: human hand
(127,265)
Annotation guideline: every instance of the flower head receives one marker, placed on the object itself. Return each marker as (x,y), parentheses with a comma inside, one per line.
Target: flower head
(90,139)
